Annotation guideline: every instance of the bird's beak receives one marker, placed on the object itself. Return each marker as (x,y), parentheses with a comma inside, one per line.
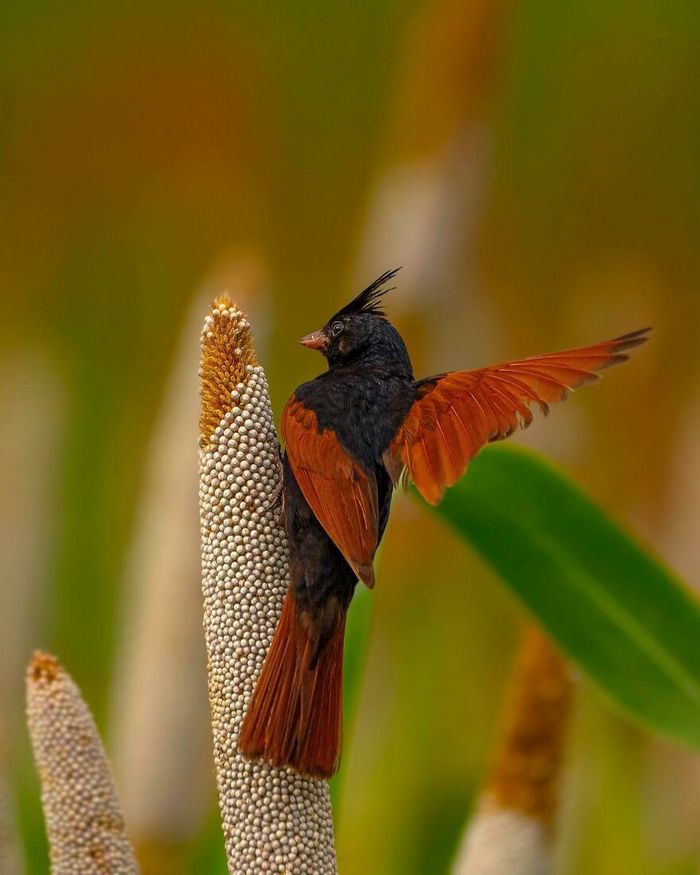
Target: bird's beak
(315,340)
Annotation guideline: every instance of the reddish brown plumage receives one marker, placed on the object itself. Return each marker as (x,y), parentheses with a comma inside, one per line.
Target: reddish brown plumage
(295,715)
(338,490)
(456,414)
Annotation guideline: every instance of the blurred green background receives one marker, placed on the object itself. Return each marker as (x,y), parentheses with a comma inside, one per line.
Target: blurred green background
(534,166)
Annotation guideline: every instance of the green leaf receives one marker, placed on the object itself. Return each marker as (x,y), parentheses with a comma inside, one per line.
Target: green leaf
(629,624)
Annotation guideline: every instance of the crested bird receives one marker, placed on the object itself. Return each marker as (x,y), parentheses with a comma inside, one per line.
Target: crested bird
(351,436)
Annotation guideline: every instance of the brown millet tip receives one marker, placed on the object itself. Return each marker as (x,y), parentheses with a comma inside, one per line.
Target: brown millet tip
(227,349)
(527,766)
(222,302)
(43,666)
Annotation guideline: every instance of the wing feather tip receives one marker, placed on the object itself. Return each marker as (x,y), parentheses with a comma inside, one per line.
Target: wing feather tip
(365,571)
(431,492)
(631,339)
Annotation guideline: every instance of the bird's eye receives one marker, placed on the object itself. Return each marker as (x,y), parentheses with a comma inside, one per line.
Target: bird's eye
(336,328)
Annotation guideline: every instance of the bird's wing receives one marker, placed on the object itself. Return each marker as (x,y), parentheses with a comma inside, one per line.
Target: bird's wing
(342,495)
(456,414)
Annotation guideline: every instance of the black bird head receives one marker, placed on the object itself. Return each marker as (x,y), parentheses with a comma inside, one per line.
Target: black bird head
(361,333)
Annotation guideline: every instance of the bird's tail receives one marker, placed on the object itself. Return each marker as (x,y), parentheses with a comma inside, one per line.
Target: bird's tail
(295,716)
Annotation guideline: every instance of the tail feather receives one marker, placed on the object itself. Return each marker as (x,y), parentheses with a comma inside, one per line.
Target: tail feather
(295,716)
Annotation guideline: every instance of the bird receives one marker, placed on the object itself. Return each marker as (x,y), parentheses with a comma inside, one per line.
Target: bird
(351,436)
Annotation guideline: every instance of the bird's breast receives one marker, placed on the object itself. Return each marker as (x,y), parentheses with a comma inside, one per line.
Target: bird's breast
(365,410)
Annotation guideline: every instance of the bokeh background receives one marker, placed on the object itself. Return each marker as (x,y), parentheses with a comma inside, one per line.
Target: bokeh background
(535,168)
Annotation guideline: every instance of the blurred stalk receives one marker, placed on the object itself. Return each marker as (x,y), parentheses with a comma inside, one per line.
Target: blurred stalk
(162,737)
(31,425)
(11,862)
(84,823)
(161,727)
(273,819)
(429,200)
(513,828)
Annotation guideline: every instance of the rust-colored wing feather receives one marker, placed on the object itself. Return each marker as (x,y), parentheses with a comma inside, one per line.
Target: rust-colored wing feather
(456,414)
(342,495)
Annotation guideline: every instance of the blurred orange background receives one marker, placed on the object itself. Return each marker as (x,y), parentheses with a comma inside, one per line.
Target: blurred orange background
(533,166)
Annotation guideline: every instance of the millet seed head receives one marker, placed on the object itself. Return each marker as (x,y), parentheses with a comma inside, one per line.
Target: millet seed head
(84,823)
(274,820)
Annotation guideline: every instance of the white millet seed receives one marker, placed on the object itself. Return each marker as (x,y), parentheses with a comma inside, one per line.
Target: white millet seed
(500,840)
(84,822)
(274,820)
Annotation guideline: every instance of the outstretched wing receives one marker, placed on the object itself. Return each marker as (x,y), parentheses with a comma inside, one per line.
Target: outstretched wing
(456,414)
(342,495)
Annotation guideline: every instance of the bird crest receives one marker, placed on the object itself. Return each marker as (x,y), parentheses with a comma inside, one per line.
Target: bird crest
(368,301)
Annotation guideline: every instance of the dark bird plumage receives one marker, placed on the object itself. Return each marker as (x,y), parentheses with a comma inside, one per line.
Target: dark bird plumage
(350,436)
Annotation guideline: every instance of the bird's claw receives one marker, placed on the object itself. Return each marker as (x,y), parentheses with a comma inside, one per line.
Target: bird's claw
(277,496)
(274,498)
